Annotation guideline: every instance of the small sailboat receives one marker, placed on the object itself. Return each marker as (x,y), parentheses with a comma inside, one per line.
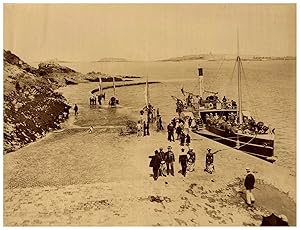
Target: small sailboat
(113,101)
(148,108)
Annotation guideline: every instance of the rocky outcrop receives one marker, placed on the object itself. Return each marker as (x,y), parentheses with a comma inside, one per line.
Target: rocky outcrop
(13,59)
(59,75)
(31,107)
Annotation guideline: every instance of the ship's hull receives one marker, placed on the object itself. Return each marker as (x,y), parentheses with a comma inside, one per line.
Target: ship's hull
(257,145)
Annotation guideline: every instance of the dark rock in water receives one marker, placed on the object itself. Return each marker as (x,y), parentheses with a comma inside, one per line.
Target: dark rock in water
(103,79)
(70,82)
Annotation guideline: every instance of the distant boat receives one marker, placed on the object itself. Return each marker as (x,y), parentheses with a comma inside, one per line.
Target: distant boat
(226,123)
(113,101)
(148,108)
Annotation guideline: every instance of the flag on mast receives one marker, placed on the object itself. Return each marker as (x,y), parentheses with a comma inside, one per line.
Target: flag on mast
(114,86)
(200,72)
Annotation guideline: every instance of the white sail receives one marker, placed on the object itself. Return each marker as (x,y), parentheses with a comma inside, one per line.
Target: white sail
(100,85)
(114,86)
(147,96)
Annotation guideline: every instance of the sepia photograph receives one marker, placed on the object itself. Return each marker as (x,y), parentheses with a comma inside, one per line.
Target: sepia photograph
(139,114)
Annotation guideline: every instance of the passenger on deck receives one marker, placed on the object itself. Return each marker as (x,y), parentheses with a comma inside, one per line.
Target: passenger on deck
(224,99)
(216,117)
(233,103)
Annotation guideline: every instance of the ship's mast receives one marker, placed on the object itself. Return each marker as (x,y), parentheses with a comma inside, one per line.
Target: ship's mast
(100,85)
(147,94)
(238,59)
(114,86)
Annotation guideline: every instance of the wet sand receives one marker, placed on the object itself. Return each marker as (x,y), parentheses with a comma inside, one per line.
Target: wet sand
(75,178)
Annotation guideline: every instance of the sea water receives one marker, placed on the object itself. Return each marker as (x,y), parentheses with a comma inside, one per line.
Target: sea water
(268,91)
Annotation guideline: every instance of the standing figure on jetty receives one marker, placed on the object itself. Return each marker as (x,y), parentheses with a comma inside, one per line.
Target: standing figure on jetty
(182,138)
(145,122)
(183,162)
(155,164)
(170,159)
(146,127)
(163,167)
(76,109)
(188,139)
(249,185)
(170,129)
(209,161)
(159,123)
(178,131)
(191,160)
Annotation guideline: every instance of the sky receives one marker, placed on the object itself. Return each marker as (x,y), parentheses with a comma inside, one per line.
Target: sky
(89,32)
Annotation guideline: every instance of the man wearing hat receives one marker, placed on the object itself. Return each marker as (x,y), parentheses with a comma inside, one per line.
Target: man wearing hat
(191,160)
(249,185)
(155,164)
(163,168)
(183,162)
(210,160)
(170,159)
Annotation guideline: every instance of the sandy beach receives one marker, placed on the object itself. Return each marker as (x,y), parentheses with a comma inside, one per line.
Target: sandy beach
(74,178)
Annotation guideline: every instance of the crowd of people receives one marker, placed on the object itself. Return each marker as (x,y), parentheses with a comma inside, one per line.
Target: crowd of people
(149,115)
(93,99)
(231,124)
(210,102)
(162,162)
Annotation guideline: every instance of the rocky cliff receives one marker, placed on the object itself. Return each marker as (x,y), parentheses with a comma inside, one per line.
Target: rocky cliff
(31,107)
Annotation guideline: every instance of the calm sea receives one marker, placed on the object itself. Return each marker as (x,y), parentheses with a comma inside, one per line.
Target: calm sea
(269,91)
